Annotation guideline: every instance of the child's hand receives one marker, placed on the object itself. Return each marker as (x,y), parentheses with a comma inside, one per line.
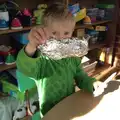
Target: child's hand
(98,88)
(37,36)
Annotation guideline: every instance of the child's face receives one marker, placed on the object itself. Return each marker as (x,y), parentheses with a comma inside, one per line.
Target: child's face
(61,29)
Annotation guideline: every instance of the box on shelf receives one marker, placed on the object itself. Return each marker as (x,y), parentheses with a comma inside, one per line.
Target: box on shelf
(80,33)
(92,13)
(108,11)
(90,68)
(93,36)
(98,34)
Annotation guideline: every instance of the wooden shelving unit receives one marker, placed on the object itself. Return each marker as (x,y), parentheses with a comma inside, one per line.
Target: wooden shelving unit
(6,67)
(86,3)
(79,26)
(118,36)
(13,31)
(102,73)
(111,23)
(98,70)
(97,45)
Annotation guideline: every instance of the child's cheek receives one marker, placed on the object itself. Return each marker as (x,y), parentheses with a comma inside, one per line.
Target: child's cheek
(70,35)
(67,36)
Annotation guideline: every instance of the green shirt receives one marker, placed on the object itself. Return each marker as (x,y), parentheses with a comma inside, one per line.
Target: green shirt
(54,78)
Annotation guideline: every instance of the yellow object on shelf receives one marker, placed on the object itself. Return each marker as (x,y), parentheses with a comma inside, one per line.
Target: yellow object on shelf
(80,15)
(100,28)
(102,55)
(87,20)
(42,6)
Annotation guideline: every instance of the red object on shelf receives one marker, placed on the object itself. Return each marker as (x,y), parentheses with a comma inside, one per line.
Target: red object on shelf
(12,51)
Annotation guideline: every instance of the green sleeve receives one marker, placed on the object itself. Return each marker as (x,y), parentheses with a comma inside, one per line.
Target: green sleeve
(28,65)
(83,81)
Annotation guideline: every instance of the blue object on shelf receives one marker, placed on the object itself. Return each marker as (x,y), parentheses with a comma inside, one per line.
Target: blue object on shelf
(4,25)
(21,37)
(92,32)
(74,8)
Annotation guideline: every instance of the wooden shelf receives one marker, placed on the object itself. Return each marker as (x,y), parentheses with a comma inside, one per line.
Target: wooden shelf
(79,26)
(17,30)
(118,36)
(98,70)
(97,45)
(6,67)
(3,95)
(102,73)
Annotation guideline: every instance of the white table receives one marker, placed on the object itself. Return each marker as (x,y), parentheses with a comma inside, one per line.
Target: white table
(83,106)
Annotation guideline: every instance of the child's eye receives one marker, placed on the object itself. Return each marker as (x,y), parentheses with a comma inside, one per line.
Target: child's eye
(66,33)
(54,33)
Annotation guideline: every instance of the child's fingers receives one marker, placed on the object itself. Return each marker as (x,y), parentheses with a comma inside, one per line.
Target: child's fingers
(41,32)
(37,36)
(46,32)
(37,43)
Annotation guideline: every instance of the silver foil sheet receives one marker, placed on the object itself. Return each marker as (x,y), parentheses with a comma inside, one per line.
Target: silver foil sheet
(58,49)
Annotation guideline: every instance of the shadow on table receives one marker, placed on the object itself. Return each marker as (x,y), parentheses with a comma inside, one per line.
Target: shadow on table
(79,104)
(91,102)
(112,86)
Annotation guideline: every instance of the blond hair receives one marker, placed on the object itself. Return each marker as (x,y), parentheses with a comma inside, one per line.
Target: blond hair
(57,11)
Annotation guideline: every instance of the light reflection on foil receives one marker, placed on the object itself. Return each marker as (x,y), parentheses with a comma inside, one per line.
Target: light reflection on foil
(58,49)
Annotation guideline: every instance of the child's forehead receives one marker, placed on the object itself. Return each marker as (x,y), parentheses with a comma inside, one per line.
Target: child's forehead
(62,24)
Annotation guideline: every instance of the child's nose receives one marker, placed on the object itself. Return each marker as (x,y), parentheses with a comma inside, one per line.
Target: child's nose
(60,36)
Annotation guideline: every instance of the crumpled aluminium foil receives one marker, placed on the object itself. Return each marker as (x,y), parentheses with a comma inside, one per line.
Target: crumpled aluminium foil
(58,49)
